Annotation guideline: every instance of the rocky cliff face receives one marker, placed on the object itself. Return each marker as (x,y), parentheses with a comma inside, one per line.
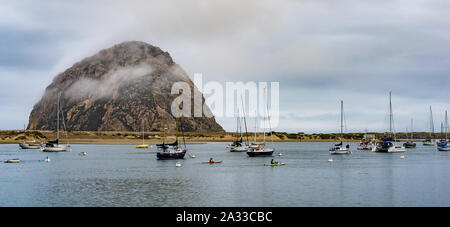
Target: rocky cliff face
(115,90)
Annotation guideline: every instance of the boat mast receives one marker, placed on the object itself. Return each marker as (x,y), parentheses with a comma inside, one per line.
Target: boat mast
(182,134)
(176,130)
(412,130)
(256,122)
(238,125)
(390,113)
(391,117)
(142,131)
(268,118)
(432,134)
(57,119)
(342,118)
(446,126)
(245,121)
(264,117)
(164,132)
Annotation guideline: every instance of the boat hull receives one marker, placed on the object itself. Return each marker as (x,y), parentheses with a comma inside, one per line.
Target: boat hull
(337,152)
(29,146)
(428,143)
(162,155)
(58,148)
(390,150)
(260,153)
(238,149)
(364,148)
(144,146)
(340,150)
(278,164)
(409,145)
(445,149)
(214,162)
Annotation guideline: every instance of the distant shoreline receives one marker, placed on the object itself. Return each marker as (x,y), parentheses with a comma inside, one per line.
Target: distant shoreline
(112,137)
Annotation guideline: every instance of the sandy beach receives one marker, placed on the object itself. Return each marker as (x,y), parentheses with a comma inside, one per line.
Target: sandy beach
(84,137)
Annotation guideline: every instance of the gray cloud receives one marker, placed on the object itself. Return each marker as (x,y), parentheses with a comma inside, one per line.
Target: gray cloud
(319,50)
(108,83)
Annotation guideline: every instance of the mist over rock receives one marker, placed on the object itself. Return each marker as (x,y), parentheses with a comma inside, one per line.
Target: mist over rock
(115,90)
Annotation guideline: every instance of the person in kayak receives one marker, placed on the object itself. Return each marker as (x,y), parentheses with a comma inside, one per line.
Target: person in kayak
(273,162)
(211,160)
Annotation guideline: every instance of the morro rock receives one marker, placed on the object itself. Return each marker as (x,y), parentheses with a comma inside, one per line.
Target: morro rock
(115,90)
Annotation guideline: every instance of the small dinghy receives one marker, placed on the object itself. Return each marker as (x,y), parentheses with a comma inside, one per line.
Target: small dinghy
(444,148)
(16,160)
(142,146)
(82,153)
(191,156)
(402,157)
(178,164)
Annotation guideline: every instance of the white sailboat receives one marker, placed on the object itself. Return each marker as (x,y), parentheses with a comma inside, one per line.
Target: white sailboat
(387,145)
(339,148)
(410,143)
(443,145)
(29,144)
(237,145)
(430,140)
(53,145)
(143,145)
(368,142)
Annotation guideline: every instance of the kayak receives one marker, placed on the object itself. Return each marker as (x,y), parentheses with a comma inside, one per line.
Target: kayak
(278,164)
(212,162)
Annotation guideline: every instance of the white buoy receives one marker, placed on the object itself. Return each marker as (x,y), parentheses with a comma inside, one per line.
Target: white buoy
(402,157)
(47,159)
(280,154)
(82,153)
(178,164)
(192,156)
(330,160)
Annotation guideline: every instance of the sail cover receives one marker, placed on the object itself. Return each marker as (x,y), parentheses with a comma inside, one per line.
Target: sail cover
(174,144)
(53,141)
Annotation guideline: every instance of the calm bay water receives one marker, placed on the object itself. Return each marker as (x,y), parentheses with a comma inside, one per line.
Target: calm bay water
(119,175)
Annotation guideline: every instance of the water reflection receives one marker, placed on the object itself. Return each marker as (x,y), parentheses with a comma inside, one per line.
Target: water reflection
(119,175)
(120,192)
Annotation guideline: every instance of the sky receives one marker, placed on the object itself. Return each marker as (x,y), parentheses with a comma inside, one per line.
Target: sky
(320,51)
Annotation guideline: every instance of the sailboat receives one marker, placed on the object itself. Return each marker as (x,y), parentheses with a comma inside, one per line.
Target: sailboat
(410,143)
(29,144)
(387,145)
(143,145)
(368,142)
(443,145)
(238,145)
(339,148)
(53,145)
(171,150)
(442,141)
(261,149)
(430,140)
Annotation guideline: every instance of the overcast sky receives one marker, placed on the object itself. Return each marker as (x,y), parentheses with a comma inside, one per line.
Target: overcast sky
(320,51)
